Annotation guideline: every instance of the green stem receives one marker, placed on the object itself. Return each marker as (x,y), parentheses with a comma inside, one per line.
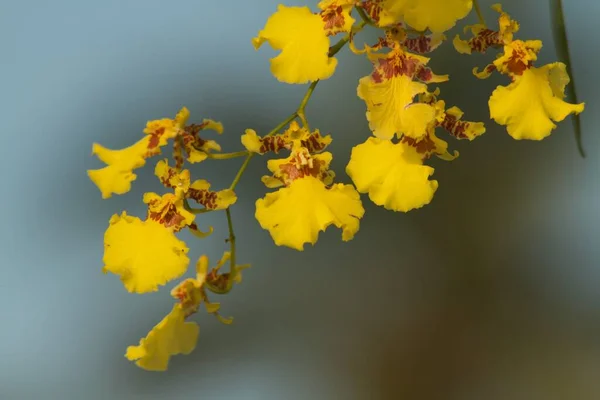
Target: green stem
(363,15)
(299,113)
(562,49)
(196,211)
(478,12)
(232,270)
(301,108)
(227,156)
(273,131)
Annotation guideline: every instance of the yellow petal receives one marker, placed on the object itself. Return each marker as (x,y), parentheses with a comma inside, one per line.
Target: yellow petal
(251,141)
(304,45)
(390,107)
(296,214)
(385,12)
(170,337)
(144,254)
(531,104)
(392,174)
(437,15)
(117,176)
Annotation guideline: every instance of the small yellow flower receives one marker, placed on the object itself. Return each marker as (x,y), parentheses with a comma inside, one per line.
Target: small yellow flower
(196,148)
(307,205)
(145,254)
(172,336)
(530,104)
(190,292)
(392,174)
(294,135)
(390,106)
(169,210)
(302,38)
(296,214)
(117,176)
(389,94)
(198,191)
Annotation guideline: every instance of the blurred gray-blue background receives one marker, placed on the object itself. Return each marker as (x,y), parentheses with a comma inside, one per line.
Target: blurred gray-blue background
(490,292)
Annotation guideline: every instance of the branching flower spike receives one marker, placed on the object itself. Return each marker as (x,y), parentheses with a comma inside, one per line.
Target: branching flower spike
(404,111)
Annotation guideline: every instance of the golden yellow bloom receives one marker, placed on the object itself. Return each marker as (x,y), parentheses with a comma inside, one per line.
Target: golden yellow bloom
(190,292)
(392,174)
(389,91)
(168,210)
(390,107)
(307,205)
(294,135)
(198,191)
(145,254)
(117,176)
(296,214)
(530,104)
(196,148)
(302,38)
(172,336)
(171,177)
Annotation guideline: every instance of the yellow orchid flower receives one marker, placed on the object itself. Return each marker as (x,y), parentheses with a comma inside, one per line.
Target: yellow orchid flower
(531,104)
(303,40)
(117,176)
(534,100)
(307,205)
(171,336)
(145,254)
(392,174)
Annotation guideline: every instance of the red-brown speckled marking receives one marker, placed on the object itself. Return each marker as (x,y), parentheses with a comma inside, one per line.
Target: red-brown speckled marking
(155,138)
(422,44)
(272,143)
(333,20)
(485,39)
(372,8)
(205,197)
(515,63)
(424,146)
(168,216)
(455,127)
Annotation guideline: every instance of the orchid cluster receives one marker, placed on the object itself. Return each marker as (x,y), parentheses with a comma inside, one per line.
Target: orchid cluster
(404,111)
